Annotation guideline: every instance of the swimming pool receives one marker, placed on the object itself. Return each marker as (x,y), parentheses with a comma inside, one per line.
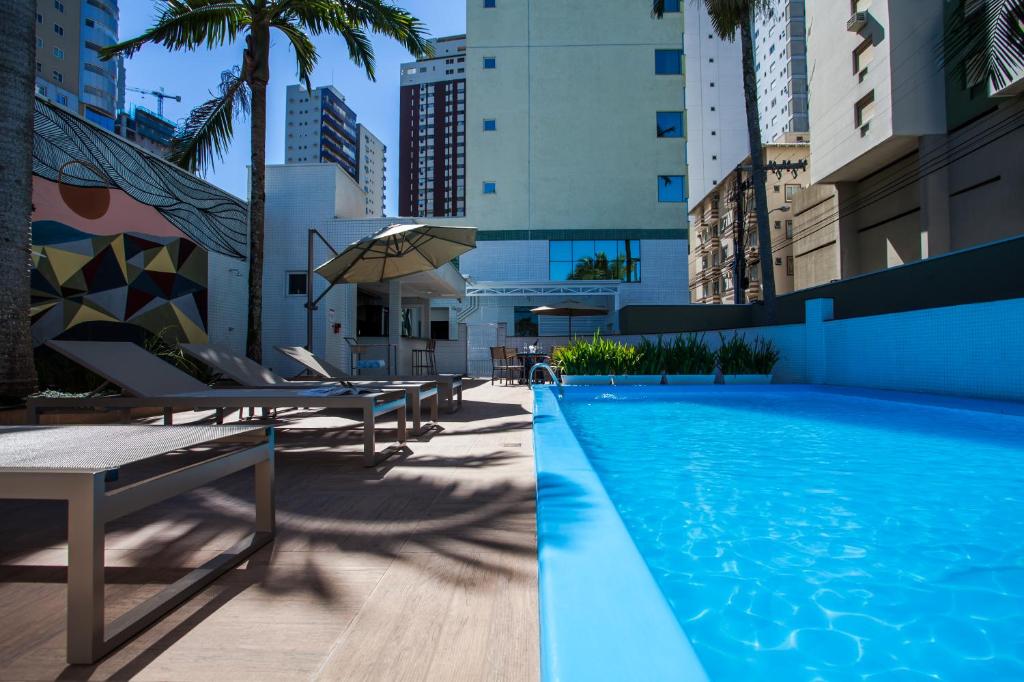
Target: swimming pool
(805,533)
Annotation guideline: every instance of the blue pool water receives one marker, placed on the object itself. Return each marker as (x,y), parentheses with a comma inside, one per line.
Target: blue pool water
(806,534)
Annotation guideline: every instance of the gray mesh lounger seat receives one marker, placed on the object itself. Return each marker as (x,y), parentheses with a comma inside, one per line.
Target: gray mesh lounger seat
(70,463)
(148,381)
(251,374)
(448,385)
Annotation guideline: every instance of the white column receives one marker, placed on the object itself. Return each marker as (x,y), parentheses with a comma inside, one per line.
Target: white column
(394,323)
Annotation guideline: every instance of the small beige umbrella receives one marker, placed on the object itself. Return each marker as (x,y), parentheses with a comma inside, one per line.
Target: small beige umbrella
(570,308)
(397,251)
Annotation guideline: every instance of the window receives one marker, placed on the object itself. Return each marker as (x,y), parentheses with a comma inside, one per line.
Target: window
(39,43)
(39,18)
(58,76)
(90,23)
(671,6)
(863,110)
(863,55)
(789,265)
(590,259)
(489,4)
(58,53)
(526,322)
(296,284)
(490,187)
(668,62)
(490,124)
(490,62)
(670,124)
(58,29)
(58,5)
(791,191)
(789,229)
(672,189)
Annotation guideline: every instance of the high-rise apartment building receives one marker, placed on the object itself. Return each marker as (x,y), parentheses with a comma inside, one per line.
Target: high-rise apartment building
(432,132)
(780,55)
(716,113)
(372,170)
(147,129)
(69,34)
(321,128)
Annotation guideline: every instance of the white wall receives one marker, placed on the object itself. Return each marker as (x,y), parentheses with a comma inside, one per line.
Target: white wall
(227,301)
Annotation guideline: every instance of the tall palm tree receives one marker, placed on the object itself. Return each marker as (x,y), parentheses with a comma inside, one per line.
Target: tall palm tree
(191,24)
(728,17)
(17,82)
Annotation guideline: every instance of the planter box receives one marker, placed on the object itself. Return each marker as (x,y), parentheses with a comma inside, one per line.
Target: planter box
(586,379)
(748,378)
(688,379)
(636,379)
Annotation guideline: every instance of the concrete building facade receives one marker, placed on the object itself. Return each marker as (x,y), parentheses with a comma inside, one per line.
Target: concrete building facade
(69,34)
(373,170)
(916,161)
(726,230)
(716,114)
(432,132)
(780,58)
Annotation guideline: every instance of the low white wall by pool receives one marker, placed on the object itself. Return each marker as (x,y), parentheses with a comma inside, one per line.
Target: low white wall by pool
(974,350)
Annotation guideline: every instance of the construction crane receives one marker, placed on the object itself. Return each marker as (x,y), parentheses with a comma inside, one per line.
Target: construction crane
(160,97)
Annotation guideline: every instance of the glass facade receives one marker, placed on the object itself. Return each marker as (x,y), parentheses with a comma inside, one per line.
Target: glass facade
(672,189)
(594,259)
(526,323)
(670,124)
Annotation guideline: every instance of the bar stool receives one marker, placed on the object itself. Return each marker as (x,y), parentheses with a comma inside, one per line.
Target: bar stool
(424,360)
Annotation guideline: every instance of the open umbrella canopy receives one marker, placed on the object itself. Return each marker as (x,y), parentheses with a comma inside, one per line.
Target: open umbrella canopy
(569,308)
(397,251)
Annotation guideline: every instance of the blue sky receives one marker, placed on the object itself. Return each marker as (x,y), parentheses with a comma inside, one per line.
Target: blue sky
(193,75)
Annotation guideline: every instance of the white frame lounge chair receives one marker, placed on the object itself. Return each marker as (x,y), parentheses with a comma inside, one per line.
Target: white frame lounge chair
(251,374)
(149,381)
(448,385)
(71,462)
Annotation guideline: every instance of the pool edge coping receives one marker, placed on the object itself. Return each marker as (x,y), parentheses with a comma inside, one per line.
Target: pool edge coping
(602,613)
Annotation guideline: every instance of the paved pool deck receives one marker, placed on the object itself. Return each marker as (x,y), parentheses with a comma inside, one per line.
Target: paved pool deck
(423,568)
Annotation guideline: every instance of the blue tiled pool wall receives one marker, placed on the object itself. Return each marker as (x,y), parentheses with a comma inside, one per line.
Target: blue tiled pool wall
(974,350)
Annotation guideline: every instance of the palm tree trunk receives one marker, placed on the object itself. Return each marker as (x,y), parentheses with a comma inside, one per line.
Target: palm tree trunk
(758,176)
(17,82)
(257,73)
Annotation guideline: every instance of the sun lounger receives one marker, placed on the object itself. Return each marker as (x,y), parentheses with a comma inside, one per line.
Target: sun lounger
(71,463)
(448,385)
(148,381)
(251,374)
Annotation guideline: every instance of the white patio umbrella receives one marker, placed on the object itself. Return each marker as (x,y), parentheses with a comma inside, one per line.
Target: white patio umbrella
(397,251)
(570,308)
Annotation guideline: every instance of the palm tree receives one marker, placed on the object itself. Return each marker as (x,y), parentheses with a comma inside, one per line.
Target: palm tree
(728,17)
(191,24)
(984,43)
(17,81)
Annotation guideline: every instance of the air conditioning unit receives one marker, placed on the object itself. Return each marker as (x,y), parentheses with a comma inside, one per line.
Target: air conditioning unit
(857,22)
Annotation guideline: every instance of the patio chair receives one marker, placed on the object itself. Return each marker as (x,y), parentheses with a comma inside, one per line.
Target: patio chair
(449,386)
(424,360)
(516,366)
(148,381)
(499,364)
(251,374)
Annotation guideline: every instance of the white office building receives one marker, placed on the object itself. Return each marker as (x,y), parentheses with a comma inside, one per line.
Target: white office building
(780,55)
(576,168)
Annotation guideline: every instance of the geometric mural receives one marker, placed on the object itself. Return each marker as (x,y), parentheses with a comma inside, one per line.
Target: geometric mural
(81,283)
(121,238)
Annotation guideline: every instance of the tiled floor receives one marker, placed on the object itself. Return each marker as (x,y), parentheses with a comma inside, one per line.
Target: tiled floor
(421,569)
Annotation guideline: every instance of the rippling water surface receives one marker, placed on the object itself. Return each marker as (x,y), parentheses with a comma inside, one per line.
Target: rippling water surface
(806,535)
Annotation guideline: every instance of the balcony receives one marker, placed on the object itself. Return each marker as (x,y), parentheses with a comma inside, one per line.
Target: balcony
(753,291)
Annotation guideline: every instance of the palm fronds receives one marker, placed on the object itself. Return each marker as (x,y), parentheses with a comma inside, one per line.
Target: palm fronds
(187,25)
(209,127)
(983,41)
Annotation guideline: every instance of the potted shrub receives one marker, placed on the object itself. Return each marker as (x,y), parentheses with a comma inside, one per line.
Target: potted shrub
(643,365)
(585,362)
(689,360)
(743,363)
